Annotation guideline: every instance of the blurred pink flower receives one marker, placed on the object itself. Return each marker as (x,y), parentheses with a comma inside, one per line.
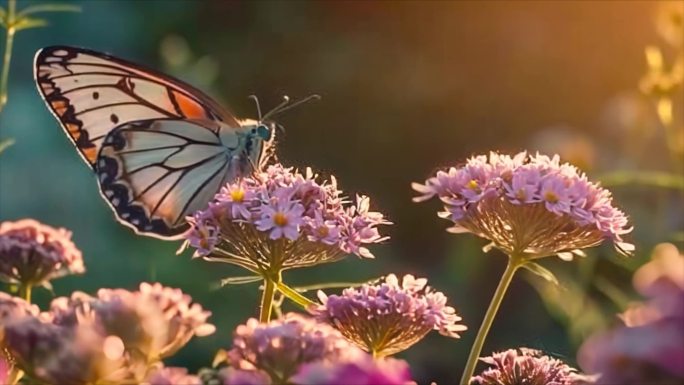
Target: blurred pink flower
(277,349)
(665,272)
(405,310)
(526,366)
(171,376)
(57,354)
(362,371)
(283,218)
(32,253)
(648,347)
(155,321)
(529,205)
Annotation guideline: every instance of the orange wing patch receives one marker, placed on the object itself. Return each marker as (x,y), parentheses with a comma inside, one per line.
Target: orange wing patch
(188,107)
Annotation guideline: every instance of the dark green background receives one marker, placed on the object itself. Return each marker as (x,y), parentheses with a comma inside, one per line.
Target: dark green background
(407,87)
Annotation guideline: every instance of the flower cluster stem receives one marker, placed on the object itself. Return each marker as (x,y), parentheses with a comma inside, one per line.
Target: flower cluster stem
(514,263)
(25,291)
(267,296)
(9,41)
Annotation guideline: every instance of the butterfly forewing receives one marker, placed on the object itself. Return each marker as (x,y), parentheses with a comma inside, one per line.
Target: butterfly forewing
(154,173)
(91,93)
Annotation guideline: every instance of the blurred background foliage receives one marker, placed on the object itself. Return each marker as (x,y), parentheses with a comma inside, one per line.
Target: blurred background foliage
(407,87)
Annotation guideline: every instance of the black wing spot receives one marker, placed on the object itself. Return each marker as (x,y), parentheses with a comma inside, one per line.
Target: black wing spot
(114,118)
(130,211)
(96,95)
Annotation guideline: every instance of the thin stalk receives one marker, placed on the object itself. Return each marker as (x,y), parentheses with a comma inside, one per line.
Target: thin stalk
(25,291)
(267,300)
(9,41)
(513,264)
(295,296)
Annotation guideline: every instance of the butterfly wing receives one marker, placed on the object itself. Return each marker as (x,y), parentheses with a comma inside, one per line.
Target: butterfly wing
(154,173)
(91,93)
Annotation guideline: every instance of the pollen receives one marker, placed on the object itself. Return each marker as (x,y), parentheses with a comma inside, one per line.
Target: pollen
(551,197)
(520,194)
(322,231)
(237,195)
(280,219)
(473,184)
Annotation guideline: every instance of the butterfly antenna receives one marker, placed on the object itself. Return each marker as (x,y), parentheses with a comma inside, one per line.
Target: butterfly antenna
(256,101)
(284,108)
(286,100)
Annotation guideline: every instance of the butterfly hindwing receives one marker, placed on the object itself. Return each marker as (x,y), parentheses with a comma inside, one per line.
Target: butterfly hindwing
(154,173)
(91,93)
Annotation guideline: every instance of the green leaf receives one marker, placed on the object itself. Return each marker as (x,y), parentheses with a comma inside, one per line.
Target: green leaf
(240,280)
(5,143)
(541,271)
(29,22)
(48,8)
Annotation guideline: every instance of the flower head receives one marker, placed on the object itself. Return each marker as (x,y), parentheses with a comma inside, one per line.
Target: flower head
(155,321)
(648,346)
(527,205)
(277,349)
(283,219)
(57,354)
(389,317)
(362,371)
(171,376)
(34,253)
(526,366)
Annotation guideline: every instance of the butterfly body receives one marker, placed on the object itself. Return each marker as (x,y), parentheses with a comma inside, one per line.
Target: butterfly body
(160,148)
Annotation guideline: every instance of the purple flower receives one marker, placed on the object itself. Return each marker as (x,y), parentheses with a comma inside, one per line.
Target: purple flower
(406,311)
(155,322)
(277,349)
(362,371)
(232,376)
(285,218)
(32,253)
(526,366)
(527,205)
(648,347)
(171,376)
(57,354)
(281,220)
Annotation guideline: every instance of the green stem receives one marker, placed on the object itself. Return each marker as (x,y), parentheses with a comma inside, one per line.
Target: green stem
(9,41)
(295,296)
(513,264)
(25,291)
(267,299)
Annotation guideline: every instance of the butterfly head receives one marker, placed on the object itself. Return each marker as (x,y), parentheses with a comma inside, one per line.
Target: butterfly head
(264,130)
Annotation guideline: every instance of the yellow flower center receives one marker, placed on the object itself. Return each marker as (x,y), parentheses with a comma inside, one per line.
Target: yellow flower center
(237,195)
(551,196)
(280,219)
(520,194)
(473,184)
(323,231)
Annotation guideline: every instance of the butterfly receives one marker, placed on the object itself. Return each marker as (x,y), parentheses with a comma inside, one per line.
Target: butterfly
(161,149)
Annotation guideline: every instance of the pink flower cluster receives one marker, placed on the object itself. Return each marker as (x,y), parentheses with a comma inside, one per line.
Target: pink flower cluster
(526,366)
(648,348)
(34,253)
(117,336)
(496,185)
(278,349)
(363,371)
(282,204)
(407,311)
(299,350)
